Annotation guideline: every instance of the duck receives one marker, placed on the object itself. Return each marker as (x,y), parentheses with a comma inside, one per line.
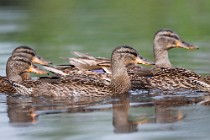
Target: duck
(20,54)
(82,85)
(164,76)
(164,40)
(30,54)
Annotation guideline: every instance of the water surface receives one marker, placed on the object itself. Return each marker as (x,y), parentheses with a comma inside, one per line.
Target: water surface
(54,29)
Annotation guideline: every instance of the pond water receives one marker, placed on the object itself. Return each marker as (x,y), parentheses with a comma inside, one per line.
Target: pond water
(55,28)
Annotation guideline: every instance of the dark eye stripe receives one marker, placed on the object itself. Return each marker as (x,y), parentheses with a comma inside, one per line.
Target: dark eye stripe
(22,60)
(129,52)
(28,56)
(172,36)
(25,51)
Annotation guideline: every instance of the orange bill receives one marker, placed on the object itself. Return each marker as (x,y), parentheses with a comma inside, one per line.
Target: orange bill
(35,70)
(185,45)
(39,60)
(141,60)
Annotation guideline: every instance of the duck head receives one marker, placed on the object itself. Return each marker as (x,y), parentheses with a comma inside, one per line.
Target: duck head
(121,57)
(30,54)
(165,40)
(18,65)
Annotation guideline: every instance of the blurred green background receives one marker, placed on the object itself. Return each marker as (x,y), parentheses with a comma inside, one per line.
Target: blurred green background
(54,28)
(57,27)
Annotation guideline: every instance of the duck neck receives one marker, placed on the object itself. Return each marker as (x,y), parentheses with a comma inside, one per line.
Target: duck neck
(12,71)
(14,77)
(120,81)
(25,76)
(161,58)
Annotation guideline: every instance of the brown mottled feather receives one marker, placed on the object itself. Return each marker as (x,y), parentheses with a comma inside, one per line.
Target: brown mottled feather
(24,52)
(5,86)
(164,40)
(82,84)
(171,79)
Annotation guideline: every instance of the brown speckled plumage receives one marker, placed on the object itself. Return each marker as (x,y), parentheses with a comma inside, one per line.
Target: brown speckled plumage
(5,86)
(164,76)
(18,54)
(171,79)
(77,85)
(164,40)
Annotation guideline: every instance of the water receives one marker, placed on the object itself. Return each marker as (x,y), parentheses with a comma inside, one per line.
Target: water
(54,29)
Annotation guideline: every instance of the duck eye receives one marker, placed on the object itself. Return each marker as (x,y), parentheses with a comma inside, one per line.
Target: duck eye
(172,36)
(176,37)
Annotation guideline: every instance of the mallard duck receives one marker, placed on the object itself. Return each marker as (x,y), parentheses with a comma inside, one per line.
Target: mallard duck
(164,40)
(81,85)
(29,53)
(19,56)
(164,76)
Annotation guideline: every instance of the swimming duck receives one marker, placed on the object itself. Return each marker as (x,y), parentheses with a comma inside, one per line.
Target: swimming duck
(28,53)
(20,54)
(81,85)
(164,40)
(164,76)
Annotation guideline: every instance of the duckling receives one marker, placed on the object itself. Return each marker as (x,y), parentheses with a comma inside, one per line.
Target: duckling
(81,85)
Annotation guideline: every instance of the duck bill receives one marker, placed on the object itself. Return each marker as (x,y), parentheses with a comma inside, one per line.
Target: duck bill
(39,60)
(185,45)
(141,60)
(34,69)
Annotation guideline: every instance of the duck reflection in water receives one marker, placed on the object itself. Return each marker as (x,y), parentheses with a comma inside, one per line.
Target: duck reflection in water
(26,110)
(123,122)
(21,111)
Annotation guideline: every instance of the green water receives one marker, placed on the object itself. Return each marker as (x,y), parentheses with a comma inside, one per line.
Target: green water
(55,28)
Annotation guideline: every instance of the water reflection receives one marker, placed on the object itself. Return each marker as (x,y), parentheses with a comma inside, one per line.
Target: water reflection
(121,121)
(25,111)
(20,110)
(124,123)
